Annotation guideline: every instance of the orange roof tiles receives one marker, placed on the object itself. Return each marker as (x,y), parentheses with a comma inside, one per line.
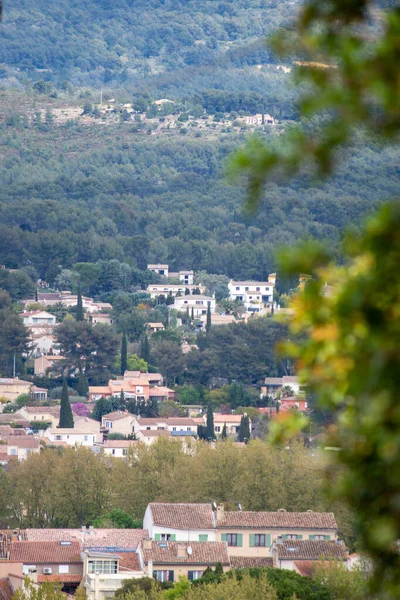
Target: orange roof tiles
(182,516)
(310,550)
(203,553)
(6,590)
(278,520)
(45,552)
(250,562)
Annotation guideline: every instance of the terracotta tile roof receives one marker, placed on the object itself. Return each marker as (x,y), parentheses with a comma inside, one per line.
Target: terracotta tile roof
(45,552)
(98,538)
(6,589)
(6,430)
(116,415)
(61,577)
(251,562)
(305,567)
(129,561)
(278,520)
(220,418)
(52,410)
(310,550)
(153,433)
(118,443)
(183,516)
(203,553)
(160,391)
(21,441)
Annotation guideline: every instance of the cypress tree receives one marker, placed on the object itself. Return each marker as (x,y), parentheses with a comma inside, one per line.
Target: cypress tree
(122,403)
(66,418)
(79,304)
(208,322)
(244,429)
(187,315)
(145,350)
(124,354)
(224,434)
(192,314)
(82,387)
(36,295)
(210,434)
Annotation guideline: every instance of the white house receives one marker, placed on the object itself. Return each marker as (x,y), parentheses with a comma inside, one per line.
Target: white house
(115,448)
(74,436)
(104,572)
(44,343)
(287,554)
(180,522)
(118,422)
(174,425)
(257,296)
(159,269)
(165,289)
(198,303)
(20,446)
(38,318)
(273,385)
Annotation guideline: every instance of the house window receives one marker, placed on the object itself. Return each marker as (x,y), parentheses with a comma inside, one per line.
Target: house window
(238,288)
(85,438)
(124,451)
(291,536)
(148,428)
(174,429)
(193,575)
(62,569)
(246,289)
(58,437)
(13,451)
(232,539)
(259,539)
(217,429)
(163,575)
(165,537)
(257,289)
(188,429)
(113,451)
(106,567)
(320,537)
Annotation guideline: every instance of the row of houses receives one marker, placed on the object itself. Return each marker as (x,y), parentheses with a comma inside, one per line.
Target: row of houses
(176,540)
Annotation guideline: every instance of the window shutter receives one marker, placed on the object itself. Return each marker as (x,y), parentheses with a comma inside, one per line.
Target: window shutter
(172,537)
(284,537)
(240,539)
(299,537)
(203,537)
(328,537)
(157,537)
(312,537)
(190,575)
(223,537)
(170,575)
(268,539)
(252,540)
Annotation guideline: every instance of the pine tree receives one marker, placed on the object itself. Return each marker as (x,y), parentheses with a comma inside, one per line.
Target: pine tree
(122,403)
(79,305)
(124,354)
(224,433)
(66,417)
(208,322)
(210,434)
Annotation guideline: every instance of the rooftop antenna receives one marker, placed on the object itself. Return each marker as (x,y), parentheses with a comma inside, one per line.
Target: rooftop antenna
(240,506)
(214,505)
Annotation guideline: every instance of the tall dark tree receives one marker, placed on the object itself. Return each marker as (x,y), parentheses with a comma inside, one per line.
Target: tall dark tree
(244,429)
(79,305)
(224,433)
(82,388)
(210,434)
(192,314)
(124,354)
(145,348)
(208,322)
(66,417)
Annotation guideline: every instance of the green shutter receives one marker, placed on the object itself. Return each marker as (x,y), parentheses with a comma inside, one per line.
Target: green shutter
(172,537)
(190,575)
(203,537)
(252,540)
(284,537)
(268,540)
(299,537)
(312,537)
(223,537)
(240,539)
(157,537)
(328,538)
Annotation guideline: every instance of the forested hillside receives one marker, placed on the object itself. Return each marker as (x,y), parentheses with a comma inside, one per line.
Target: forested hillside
(93,41)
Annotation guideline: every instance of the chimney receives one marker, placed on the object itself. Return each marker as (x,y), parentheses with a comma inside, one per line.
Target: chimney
(147,544)
(181,550)
(272,278)
(91,529)
(83,528)
(220,512)
(150,568)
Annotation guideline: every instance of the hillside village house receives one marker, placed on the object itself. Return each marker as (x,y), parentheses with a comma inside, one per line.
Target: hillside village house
(45,414)
(50,561)
(105,571)
(273,385)
(286,404)
(232,423)
(246,533)
(115,448)
(17,447)
(257,296)
(198,303)
(154,327)
(172,424)
(168,560)
(11,388)
(43,343)
(100,317)
(134,389)
(162,393)
(159,269)
(185,277)
(166,289)
(86,432)
(150,437)
(38,319)
(292,554)
(45,363)
(118,422)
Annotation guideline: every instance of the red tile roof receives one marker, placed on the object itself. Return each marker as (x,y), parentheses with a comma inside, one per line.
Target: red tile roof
(60,577)
(203,553)
(250,562)
(97,538)
(45,552)
(6,590)
(278,520)
(182,516)
(118,414)
(129,561)
(310,550)
(21,441)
